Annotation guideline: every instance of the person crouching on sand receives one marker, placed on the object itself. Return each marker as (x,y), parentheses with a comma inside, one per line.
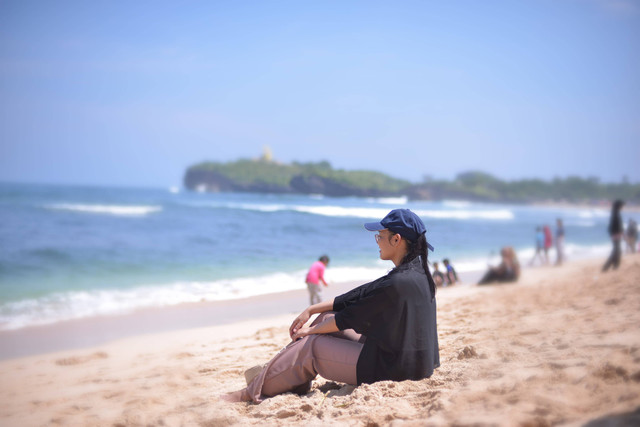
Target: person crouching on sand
(382,330)
(315,276)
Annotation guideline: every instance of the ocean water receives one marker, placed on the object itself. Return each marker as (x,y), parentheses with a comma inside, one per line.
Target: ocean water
(68,252)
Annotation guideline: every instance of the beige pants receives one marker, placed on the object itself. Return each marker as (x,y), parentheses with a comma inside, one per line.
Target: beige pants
(315,293)
(333,356)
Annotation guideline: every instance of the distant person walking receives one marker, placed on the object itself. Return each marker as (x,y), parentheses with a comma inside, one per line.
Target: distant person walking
(632,235)
(315,276)
(615,231)
(539,246)
(559,242)
(548,242)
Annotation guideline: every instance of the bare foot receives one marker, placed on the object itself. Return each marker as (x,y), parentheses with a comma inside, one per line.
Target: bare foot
(236,396)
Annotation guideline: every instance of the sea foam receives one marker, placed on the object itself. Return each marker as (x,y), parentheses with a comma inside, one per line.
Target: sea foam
(64,306)
(367,212)
(397,201)
(118,210)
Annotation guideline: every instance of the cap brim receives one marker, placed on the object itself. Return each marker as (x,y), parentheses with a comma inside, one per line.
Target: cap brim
(374,226)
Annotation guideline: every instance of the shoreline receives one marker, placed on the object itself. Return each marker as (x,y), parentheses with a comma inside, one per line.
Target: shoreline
(97,330)
(559,347)
(94,331)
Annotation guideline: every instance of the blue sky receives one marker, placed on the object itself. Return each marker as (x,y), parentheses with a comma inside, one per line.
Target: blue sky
(133,92)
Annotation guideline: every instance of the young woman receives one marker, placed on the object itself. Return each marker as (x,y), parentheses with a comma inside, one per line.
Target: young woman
(383,330)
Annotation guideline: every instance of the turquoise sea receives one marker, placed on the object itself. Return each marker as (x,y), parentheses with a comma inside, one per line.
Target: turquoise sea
(68,252)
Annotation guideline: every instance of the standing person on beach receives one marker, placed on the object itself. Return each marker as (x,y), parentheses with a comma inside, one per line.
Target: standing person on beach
(382,330)
(314,277)
(548,242)
(559,242)
(615,231)
(632,235)
(539,246)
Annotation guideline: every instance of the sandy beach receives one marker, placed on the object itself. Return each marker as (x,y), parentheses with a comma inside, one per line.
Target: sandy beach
(560,347)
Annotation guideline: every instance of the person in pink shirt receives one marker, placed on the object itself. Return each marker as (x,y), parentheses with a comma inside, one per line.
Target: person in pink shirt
(314,277)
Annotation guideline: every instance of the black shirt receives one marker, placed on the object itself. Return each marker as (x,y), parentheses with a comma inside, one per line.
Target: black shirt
(615,223)
(397,315)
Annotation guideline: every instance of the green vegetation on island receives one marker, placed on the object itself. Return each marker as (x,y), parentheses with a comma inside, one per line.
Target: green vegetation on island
(481,186)
(307,178)
(267,176)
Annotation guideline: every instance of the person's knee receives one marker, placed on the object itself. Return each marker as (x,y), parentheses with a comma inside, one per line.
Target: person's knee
(322,317)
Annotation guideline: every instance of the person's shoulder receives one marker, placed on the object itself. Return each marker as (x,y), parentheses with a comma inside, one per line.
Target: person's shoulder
(380,282)
(408,284)
(413,268)
(380,285)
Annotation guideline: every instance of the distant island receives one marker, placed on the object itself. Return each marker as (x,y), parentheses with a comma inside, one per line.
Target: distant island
(264,175)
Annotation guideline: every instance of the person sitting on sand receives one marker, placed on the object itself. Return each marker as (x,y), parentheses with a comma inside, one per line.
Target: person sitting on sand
(382,330)
(451,276)
(438,277)
(507,271)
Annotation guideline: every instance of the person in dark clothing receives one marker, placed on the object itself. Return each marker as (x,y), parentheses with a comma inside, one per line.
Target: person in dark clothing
(382,330)
(616,230)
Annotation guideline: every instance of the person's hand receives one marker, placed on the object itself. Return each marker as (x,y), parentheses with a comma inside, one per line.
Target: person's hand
(299,322)
(300,333)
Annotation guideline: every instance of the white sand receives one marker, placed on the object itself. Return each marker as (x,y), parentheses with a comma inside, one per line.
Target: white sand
(560,347)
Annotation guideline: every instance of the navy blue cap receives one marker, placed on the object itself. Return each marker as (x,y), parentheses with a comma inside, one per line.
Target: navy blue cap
(401,221)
